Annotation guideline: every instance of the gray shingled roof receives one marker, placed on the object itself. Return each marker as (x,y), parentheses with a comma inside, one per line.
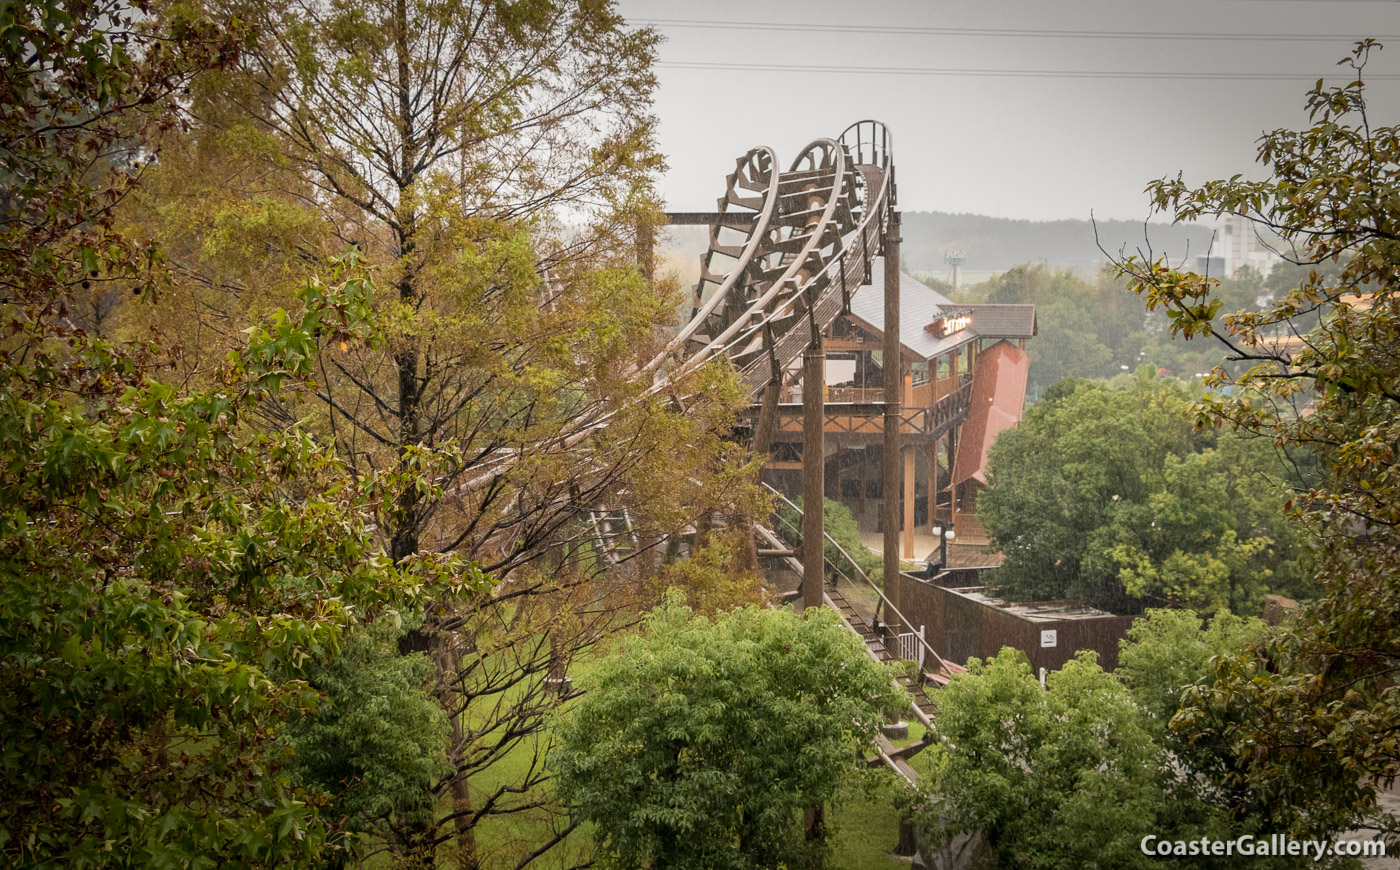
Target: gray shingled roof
(1003,321)
(920,305)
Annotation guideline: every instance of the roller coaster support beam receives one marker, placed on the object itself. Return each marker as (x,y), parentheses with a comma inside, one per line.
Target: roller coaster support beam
(894,384)
(646,232)
(708,219)
(813,472)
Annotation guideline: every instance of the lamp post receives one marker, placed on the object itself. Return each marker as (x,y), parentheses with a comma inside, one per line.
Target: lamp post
(944,536)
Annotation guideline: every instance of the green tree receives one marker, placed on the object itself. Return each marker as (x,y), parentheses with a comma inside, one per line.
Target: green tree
(1167,652)
(1105,494)
(166,573)
(1311,712)
(842,531)
(1084,329)
(1075,774)
(377,740)
(1065,776)
(168,576)
(1240,292)
(699,743)
(1063,347)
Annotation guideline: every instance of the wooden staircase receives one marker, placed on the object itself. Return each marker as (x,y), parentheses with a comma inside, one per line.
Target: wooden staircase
(875,645)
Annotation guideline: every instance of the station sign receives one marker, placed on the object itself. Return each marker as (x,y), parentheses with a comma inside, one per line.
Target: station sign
(950,323)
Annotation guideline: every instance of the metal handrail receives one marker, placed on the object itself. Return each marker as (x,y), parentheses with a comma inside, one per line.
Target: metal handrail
(889,606)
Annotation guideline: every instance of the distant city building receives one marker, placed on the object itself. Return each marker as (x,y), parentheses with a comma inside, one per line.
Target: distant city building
(1237,243)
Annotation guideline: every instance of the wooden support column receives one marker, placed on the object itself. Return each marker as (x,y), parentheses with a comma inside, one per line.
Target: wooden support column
(864,458)
(813,472)
(889,509)
(932,455)
(909,503)
(910,494)
(763,446)
(952,488)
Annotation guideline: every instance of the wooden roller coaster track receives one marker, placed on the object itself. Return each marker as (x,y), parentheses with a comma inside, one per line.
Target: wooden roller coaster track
(783,263)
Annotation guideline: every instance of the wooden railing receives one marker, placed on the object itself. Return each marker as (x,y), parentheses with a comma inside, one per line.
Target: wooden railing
(855,394)
(868,418)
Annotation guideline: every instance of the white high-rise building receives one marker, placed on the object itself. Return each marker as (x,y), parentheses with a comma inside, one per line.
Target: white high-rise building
(1237,243)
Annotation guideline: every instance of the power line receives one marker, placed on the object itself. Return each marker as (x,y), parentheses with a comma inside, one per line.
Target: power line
(1007,32)
(1009,73)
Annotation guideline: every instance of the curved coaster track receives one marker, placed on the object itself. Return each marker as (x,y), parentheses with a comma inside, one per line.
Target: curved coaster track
(787,251)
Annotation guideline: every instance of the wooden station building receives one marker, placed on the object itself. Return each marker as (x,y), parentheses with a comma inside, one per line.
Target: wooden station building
(963,374)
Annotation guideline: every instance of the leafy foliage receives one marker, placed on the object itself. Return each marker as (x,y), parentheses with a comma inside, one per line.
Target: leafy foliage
(1105,494)
(1168,651)
(377,742)
(1085,329)
(699,743)
(168,575)
(1311,713)
(86,89)
(1063,776)
(842,531)
(1076,773)
(494,161)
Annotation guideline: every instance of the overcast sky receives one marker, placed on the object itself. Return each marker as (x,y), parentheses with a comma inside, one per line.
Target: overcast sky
(1073,133)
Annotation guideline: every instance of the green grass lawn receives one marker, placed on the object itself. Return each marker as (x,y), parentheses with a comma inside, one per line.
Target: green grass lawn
(867,826)
(916,733)
(503,840)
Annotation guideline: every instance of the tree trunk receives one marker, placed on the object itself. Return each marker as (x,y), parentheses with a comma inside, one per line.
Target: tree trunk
(908,843)
(814,822)
(461,795)
(404,541)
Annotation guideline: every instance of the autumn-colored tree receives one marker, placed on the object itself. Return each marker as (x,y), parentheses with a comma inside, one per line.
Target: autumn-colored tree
(166,572)
(492,160)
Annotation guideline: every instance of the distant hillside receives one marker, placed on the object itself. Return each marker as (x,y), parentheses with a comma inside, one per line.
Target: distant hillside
(990,244)
(995,244)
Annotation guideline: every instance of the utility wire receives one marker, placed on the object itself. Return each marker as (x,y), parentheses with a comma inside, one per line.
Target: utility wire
(1008,32)
(1318,2)
(1011,73)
